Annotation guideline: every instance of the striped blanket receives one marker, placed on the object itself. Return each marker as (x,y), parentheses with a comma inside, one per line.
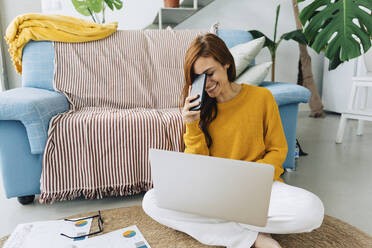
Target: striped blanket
(124,93)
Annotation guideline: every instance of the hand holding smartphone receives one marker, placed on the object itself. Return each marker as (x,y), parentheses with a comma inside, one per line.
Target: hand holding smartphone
(197,88)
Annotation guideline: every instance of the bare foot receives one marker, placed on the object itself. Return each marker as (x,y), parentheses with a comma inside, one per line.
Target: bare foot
(264,240)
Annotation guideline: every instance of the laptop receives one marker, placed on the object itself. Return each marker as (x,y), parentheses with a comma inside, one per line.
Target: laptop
(220,188)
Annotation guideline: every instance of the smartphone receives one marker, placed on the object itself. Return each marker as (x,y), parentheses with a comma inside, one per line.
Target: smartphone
(197,88)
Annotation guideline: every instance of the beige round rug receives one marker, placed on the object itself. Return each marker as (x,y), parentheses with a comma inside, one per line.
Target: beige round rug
(332,234)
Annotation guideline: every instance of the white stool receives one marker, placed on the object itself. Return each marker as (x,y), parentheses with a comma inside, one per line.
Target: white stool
(358,100)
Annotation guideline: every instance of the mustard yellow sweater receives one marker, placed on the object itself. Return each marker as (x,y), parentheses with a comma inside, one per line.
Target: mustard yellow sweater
(248,127)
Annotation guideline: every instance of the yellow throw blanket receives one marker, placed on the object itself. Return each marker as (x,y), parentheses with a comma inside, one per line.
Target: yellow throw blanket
(51,27)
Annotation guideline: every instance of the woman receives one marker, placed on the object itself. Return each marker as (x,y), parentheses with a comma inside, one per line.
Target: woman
(237,121)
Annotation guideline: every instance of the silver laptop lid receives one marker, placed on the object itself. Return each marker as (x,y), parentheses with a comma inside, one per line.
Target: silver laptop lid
(221,188)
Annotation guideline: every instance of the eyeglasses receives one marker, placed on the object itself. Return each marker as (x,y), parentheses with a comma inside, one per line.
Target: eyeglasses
(99,221)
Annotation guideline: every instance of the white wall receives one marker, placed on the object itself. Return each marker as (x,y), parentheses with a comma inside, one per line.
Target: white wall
(135,14)
(9,10)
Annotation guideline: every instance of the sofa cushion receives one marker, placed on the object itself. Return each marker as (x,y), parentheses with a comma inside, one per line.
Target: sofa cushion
(34,108)
(38,65)
(255,74)
(233,37)
(244,53)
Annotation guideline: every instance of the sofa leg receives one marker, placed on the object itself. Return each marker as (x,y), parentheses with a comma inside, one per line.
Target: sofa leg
(24,200)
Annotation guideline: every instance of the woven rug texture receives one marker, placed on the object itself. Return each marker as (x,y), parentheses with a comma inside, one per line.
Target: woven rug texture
(333,233)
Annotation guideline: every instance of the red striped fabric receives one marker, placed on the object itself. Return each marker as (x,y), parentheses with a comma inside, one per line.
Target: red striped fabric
(124,93)
(130,69)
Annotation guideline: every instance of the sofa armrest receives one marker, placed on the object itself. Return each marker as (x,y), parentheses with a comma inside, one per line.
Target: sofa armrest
(287,93)
(34,108)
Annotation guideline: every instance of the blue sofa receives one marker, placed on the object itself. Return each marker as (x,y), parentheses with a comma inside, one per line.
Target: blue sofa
(25,114)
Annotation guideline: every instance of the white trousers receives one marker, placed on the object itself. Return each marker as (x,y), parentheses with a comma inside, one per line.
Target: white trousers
(291,210)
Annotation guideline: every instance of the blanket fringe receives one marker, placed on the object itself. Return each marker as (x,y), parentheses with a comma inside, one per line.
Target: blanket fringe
(99,193)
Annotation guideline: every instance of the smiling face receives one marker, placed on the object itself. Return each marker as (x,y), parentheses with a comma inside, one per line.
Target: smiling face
(217,79)
(209,54)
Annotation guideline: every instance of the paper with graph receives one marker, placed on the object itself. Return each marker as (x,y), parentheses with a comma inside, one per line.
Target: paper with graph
(129,237)
(47,234)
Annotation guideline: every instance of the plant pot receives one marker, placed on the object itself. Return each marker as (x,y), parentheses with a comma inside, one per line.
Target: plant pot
(171,3)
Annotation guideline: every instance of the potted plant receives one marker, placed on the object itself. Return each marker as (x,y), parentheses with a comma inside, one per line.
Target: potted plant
(171,3)
(94,7)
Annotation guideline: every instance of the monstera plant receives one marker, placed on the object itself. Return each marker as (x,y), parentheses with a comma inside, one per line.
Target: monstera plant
(94,7)
(338,27)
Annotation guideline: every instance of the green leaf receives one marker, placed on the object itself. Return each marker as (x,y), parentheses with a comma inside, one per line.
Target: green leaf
(333,30)
(309,12)
(295,35)
(257,34)
(268,42)
(118,4)
(109,4)
(81,6)
(276,21)
(334,63)
(95,5)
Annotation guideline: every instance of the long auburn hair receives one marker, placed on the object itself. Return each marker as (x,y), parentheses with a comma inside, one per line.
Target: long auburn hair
(206,45)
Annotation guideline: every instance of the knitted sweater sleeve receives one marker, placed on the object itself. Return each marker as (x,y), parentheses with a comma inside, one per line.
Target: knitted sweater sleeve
(194,139)
(274,138)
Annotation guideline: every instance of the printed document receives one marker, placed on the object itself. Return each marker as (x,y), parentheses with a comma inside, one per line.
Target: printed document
(129,237)
(44,234)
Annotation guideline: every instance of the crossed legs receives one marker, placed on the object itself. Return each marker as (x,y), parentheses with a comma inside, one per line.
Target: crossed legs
(291,210)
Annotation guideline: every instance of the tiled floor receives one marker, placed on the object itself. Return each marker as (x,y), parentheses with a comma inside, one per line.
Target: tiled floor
(339,174)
